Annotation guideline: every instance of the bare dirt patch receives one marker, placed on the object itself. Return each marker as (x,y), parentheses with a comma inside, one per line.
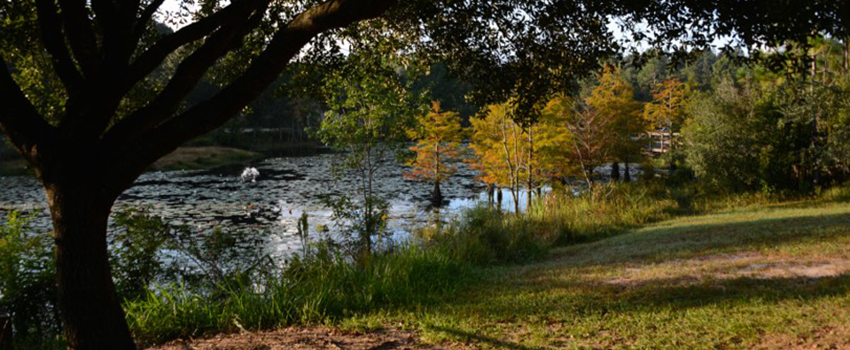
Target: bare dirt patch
(729,266)
(828,337)
(303,338)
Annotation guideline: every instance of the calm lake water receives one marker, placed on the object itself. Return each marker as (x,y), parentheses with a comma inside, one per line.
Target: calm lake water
(286,187)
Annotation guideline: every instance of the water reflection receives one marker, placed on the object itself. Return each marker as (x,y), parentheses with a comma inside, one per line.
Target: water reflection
(272,203)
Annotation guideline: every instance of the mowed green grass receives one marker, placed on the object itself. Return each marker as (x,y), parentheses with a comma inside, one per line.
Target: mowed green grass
(773,276)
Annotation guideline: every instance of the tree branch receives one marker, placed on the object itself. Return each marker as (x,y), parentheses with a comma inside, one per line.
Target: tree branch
(80,33)
(116,29)
(137,153)
(153,57)
(53,39)
(19,120)
(144,18)
(187,76)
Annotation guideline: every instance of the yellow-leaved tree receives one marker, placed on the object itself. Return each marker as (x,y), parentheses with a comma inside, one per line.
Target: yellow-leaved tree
(509,155)
(614,100)
(497,142)
(438,137)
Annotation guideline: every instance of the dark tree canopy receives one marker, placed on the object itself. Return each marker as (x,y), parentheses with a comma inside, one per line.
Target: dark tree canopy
(94,91)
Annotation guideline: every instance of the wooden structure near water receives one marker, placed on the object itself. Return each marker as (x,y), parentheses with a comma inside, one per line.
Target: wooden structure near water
(660,141)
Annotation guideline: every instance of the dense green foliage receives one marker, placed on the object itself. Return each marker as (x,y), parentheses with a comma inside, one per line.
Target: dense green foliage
(769,137)
(27,281)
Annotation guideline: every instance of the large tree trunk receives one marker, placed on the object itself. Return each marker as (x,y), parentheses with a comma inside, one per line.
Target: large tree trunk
(92,316)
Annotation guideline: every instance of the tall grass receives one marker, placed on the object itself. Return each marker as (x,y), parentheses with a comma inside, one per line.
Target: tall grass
(484,235)
(606,210)
(319,289)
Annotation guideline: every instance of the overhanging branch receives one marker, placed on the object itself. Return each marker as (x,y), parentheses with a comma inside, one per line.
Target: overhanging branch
(155,55)
(144,18)
(19,120)
(187,76)
(80,33)
(53,39)
(136,154)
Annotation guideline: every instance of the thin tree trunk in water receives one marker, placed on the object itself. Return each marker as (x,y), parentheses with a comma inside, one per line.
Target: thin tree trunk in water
(91,312)
(490,194)
(627,174)
(499,197)
(615,171)
(437,195)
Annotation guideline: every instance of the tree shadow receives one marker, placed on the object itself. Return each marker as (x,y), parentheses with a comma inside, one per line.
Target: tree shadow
(666,243)
(494,342)
(584,300)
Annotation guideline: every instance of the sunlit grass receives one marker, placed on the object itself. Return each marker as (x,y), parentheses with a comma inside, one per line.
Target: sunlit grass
(759,276)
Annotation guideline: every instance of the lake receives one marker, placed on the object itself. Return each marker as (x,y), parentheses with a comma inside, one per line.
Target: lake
(285,188)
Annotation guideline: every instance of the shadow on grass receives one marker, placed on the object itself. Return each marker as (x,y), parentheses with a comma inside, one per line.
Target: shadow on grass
(467,336)
(565,300)
(667,243)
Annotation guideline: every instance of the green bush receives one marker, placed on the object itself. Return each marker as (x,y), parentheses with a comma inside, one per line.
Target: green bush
(763,137)
(27,283)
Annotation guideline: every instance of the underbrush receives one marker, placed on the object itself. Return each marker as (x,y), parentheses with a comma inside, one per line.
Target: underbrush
(321,288)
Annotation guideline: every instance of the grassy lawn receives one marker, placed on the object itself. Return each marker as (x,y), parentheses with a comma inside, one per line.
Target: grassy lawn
(757,277)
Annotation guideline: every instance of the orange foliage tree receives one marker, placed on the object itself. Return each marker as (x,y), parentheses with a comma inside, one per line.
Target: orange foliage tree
(668,110)
(438,148)
(589,135)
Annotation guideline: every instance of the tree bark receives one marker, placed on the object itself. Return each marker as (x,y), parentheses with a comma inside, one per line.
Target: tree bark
(627,174)
(91,312)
